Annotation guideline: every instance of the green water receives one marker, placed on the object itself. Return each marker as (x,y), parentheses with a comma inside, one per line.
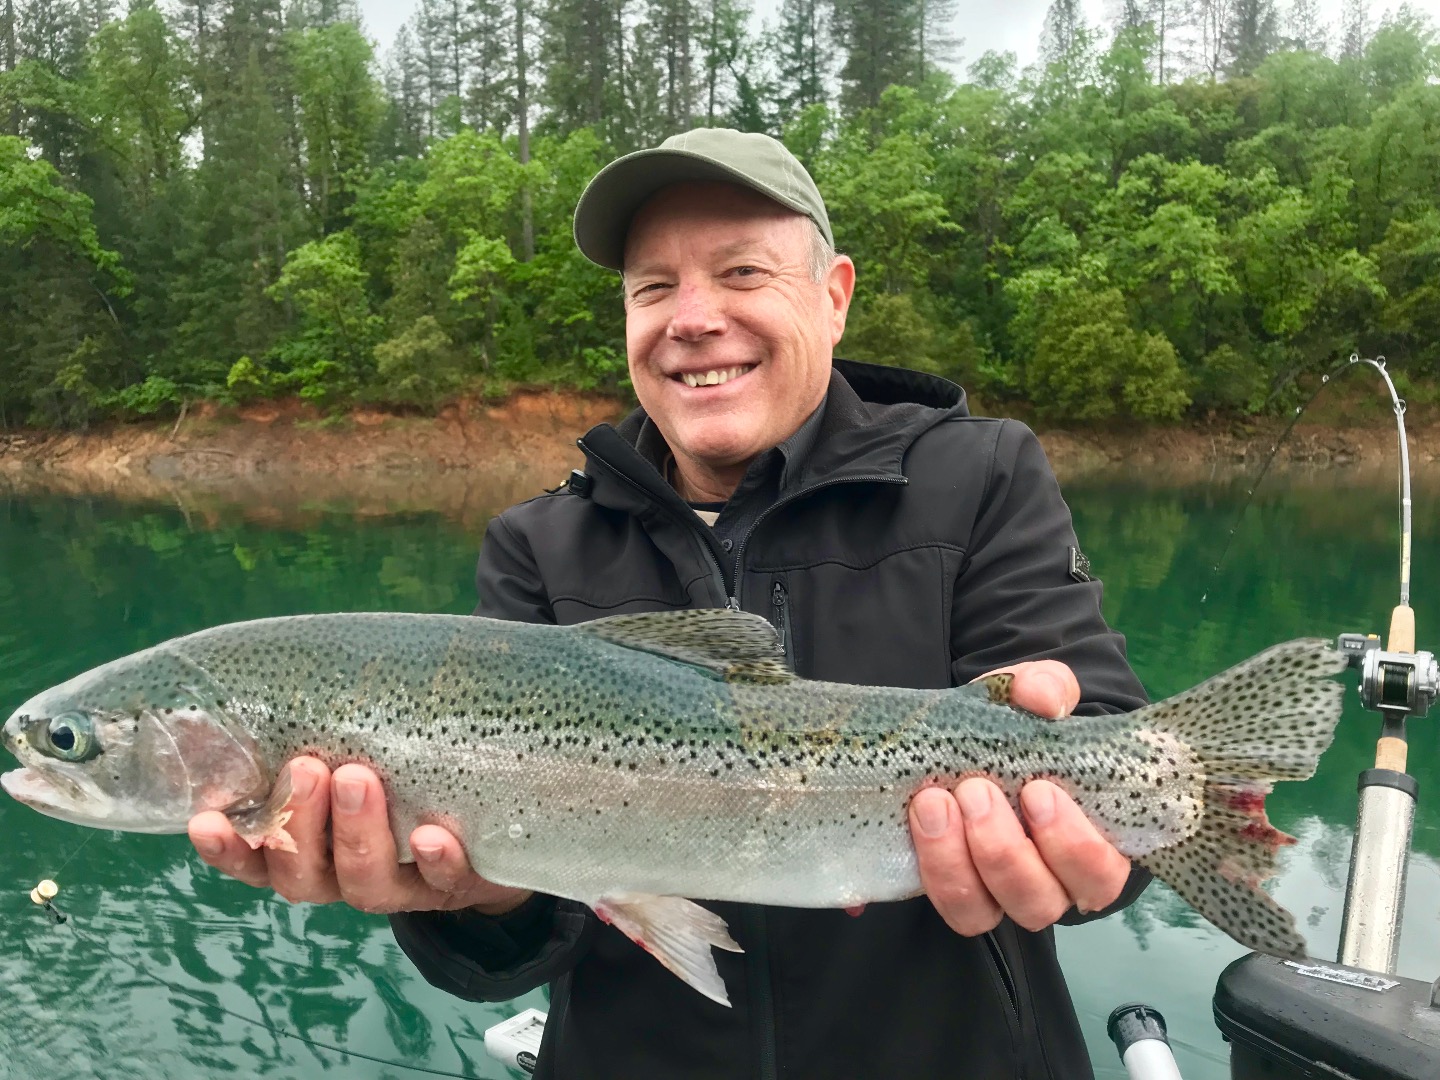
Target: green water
(167,970)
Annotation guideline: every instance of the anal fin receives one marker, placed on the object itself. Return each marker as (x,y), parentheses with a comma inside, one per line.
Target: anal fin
(677,932)
(264,825)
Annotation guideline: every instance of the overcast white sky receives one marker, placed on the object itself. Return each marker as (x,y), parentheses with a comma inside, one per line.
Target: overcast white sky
(984,24)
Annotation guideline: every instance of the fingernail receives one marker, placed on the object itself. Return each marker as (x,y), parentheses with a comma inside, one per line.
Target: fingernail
(1039,802)
(302,785)
(1056,693)
(933,816)
(349,795)
(428,854)
(974,801)
(208,845)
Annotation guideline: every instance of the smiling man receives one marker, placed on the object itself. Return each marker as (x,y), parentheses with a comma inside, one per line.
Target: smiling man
(892,539)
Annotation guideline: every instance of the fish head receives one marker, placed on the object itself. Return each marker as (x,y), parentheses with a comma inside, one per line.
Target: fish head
(141,745)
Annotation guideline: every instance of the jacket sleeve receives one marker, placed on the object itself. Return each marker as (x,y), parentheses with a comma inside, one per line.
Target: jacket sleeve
(1017,600)
(495,958)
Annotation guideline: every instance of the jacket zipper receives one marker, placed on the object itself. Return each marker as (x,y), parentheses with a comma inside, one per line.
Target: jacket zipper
(779,600)
(1007,978)
(762,994)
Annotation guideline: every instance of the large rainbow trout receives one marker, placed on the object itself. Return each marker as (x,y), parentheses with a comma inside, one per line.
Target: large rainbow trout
(641,762)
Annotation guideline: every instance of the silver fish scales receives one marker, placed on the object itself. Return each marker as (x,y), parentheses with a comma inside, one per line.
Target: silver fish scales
(641,762)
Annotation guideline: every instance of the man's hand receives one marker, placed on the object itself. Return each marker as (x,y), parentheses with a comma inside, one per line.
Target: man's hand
(358,863)
(977,864)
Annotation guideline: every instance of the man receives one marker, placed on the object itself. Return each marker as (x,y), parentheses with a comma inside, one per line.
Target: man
(892,539)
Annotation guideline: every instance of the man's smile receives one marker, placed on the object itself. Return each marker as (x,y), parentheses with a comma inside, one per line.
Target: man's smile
(712,376)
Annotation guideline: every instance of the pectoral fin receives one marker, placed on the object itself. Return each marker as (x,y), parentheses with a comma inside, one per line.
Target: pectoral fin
(677,932)
(264,825)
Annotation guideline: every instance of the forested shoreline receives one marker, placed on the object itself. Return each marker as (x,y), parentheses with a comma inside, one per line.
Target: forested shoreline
(1187,212)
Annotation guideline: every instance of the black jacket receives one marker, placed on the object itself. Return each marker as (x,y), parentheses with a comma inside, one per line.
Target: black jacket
(916,546)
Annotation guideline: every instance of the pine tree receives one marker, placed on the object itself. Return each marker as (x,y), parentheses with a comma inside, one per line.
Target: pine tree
(1064,21)
(402,131)
(670,29)
(1170,19)
(1354,29)
(9,57)
(802,56)
(490,58)
(583,53)
(522,126)
(53,33)
(880,43)
(938,44)
(1252,34)
(247,215)
(1305,27)
(1214,18)
(723,42)
(1064,44)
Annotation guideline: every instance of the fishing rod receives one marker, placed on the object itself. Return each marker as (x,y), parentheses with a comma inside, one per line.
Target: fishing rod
(1398,683)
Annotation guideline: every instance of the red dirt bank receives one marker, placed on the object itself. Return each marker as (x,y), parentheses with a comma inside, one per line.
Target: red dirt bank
(476,456)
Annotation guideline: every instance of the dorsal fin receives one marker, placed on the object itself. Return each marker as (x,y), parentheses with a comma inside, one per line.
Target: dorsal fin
(731,645)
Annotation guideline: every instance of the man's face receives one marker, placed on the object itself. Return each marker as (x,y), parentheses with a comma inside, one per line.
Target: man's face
(718,287)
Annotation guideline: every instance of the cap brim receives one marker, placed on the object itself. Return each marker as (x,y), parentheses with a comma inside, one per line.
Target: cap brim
(602,216)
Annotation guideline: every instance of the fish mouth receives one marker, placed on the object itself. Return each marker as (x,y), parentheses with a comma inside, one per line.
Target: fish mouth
(35,789)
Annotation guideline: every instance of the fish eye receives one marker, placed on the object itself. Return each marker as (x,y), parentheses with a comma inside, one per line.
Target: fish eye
(71,737)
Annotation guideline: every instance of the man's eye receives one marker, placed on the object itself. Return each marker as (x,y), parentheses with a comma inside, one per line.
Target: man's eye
(745,271)
(648,287)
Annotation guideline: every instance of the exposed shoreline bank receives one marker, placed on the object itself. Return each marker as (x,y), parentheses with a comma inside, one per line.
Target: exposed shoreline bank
(475,456)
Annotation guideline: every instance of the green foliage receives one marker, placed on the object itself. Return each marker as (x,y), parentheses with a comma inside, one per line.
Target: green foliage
(420,366)
(155,395)
(229,203)
(330,356)
(1090,364)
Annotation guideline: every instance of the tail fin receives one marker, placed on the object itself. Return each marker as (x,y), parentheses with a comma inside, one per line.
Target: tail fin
(1268,718)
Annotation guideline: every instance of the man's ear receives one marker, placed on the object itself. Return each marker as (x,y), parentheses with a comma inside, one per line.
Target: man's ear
(840,287)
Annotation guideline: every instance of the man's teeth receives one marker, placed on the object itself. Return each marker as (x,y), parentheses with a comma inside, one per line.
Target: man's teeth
(716,377)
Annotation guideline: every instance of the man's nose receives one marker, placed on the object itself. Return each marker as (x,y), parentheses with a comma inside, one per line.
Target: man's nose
(699,310)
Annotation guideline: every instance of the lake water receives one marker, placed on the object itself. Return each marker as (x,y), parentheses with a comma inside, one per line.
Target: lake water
(167,970)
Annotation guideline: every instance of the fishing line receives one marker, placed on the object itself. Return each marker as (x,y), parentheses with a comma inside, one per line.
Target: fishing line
(207,1001)
(1397,404)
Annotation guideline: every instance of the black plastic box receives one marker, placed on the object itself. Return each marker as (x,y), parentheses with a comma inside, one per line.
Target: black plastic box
(1321,1020)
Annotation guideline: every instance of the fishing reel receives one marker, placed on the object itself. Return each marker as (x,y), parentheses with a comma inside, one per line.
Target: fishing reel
(1391,682)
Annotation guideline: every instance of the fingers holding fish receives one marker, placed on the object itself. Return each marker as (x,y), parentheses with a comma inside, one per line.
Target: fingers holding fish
(368,870)
(1007,861)
(367,861)
(946,869)
(1087,865)
(1044,687)
(306,875)
(441,861)
(218,845)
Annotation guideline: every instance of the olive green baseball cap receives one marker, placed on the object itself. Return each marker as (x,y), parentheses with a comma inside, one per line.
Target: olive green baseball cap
(610,200)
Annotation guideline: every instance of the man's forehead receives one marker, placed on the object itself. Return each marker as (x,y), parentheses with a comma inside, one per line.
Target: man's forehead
(678,219)
(756,242)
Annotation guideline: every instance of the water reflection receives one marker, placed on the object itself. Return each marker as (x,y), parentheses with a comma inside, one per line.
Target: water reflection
(85,580)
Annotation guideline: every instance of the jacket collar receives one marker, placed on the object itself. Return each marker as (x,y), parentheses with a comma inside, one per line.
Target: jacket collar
(872,416)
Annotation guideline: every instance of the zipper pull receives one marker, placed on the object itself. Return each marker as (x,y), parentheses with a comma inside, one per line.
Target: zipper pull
(731,604)
(781,621)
